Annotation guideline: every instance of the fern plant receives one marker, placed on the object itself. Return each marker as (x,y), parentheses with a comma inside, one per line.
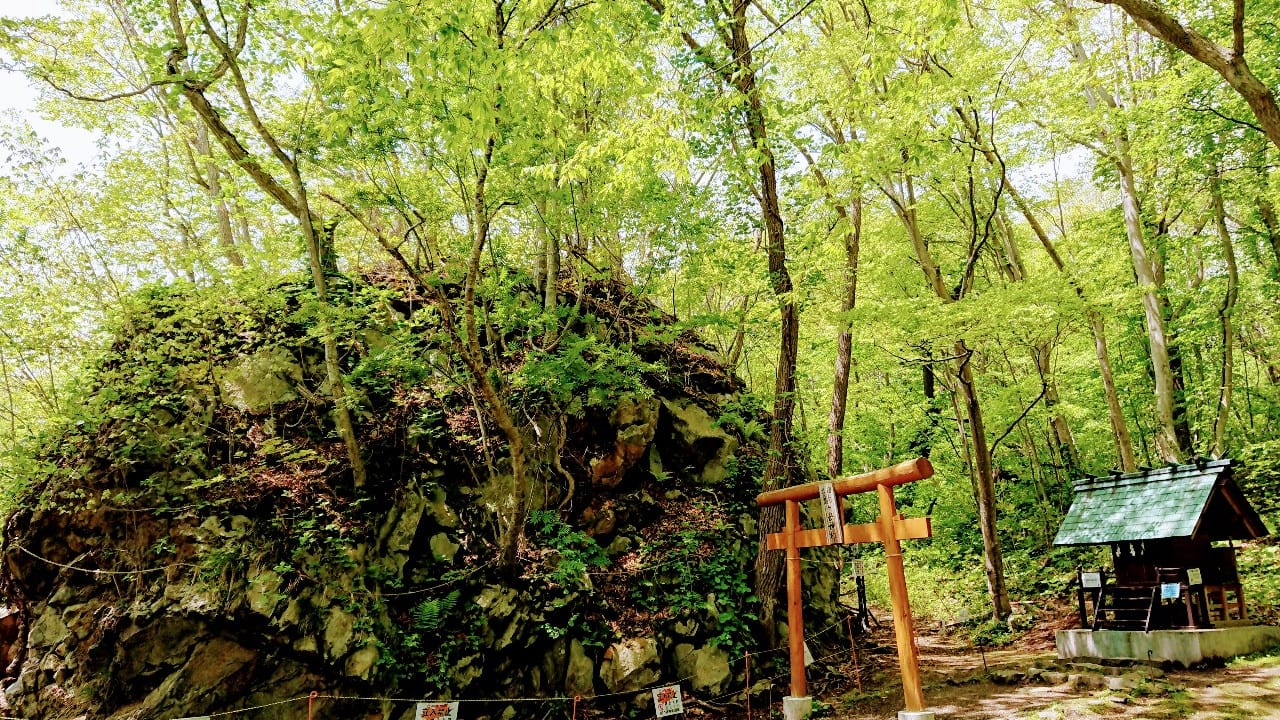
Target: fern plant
(428,615)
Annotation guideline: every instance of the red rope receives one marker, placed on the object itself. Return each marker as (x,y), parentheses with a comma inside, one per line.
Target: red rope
(311,699)
(747,658)
(857,672)
(576,698)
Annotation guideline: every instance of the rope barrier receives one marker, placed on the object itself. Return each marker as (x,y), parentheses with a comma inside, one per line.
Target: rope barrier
(264,706)
(91,571)
(576,700)
(420,591)
(636,571)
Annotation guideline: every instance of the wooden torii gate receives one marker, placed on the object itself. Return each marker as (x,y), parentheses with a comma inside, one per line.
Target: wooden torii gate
(889,529)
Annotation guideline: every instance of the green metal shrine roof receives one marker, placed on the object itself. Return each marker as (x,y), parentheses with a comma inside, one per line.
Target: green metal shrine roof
(1167,502)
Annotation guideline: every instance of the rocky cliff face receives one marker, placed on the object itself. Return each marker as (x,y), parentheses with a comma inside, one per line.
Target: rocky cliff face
(193,544)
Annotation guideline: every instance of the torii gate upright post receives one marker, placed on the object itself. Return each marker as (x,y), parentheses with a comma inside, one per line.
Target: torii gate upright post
(890,528)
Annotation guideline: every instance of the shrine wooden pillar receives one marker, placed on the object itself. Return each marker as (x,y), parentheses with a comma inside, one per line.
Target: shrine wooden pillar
(903,626)
(890,528)
(795,617)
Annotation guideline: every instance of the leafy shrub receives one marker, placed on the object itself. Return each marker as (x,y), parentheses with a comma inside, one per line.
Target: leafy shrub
(575,551)
(581,372)
(710,580)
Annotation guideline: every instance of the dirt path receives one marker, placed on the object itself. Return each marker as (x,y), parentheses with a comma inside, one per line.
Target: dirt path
(959,685)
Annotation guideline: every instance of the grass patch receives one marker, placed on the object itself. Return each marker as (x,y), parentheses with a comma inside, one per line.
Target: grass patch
(1177,704)
(1264,659)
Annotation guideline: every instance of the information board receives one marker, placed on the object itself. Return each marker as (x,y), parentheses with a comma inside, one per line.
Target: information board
(667,701)
(1194,577)
(1170,591)
(1090,580)
(436,711)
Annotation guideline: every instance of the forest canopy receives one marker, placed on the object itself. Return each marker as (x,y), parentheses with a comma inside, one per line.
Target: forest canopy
(1030,240)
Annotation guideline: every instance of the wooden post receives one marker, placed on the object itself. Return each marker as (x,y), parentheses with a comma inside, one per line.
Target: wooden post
(795,624)
(1080,596)
(902,629)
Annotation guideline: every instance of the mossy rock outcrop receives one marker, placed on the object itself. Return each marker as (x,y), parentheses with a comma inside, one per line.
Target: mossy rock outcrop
(196,545)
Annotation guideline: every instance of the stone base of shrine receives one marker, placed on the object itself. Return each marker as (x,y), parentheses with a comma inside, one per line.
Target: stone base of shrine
(1185,647)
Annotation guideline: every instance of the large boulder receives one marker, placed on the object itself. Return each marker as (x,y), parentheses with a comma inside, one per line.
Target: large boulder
(630,665)
(699,446)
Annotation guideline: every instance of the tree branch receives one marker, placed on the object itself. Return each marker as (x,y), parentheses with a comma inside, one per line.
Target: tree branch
(43,77)
(1230,64)
(1043,389)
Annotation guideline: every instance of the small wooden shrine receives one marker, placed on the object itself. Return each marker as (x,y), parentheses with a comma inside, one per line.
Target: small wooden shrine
(1166,529)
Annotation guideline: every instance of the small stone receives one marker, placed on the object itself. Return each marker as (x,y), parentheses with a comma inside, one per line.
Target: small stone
(1053,678)
(579,672)
(263,593)
(260,381)
(362,662)
(710,670)
(339,629)
(1121,683)
(444,516)
(48,630)
(442,548)
(1005,676)
(686,628)
(630,664)
(620,545)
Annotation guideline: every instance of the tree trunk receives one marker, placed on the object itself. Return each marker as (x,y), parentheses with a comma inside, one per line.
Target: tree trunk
(1267,211)
(213,189)
(1166,435)
(333,370)
(475,358)
(779,468)
(1115,412)
(1119,427)
(844,340)
(984,485)
(922,443)
(984,472)
(1061,431)
(1167,443)
(1225,319)
(318,240)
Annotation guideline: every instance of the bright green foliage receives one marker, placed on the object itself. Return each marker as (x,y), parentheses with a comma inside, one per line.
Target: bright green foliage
(573,552)
(605,145)
(715,591)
